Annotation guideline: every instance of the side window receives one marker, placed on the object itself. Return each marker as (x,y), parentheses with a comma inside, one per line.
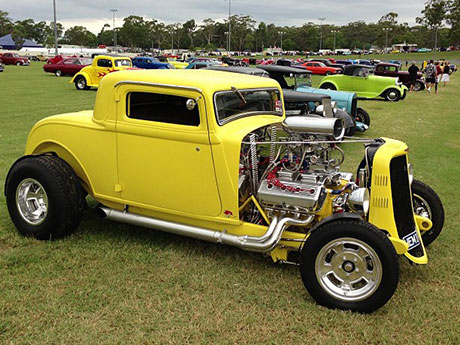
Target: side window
(162,108)
(104,63)
(392,69)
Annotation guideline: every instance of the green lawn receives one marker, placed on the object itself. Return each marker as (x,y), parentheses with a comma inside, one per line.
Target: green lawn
(116,284)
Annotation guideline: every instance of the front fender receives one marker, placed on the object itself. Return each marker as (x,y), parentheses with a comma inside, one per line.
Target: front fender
(84,74)
(327,80)
(402,90)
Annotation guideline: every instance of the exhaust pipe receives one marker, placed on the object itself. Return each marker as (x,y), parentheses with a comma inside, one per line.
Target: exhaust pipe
(260,244)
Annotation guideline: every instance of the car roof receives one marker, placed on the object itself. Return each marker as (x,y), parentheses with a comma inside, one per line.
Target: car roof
(349,69)
(205,80)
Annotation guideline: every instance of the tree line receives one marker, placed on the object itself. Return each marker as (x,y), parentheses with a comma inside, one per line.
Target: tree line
(247,34)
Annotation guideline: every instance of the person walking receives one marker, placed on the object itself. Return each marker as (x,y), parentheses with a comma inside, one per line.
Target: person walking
(413,71)
(438,76)
(445,74)
(430,75)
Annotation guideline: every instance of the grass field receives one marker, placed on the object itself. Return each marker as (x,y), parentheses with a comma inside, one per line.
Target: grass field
(116,284)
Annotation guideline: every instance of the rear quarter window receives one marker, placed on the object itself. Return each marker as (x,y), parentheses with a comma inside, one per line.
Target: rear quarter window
(163,108)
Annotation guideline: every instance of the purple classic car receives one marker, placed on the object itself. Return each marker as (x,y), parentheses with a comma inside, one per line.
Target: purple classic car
(393,70)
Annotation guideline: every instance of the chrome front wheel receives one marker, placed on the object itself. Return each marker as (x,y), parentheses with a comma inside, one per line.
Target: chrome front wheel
(32,201)
(349,264)
(348,269)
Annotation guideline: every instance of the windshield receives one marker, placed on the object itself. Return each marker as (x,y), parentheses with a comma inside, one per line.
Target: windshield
(230,105)
(299,80)
(87,61)
(123,62)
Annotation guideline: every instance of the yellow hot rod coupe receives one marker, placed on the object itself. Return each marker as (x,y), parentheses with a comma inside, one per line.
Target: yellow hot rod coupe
(211,155)
(90,76)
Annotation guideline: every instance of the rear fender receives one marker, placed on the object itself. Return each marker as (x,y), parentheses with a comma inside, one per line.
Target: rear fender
(50,147)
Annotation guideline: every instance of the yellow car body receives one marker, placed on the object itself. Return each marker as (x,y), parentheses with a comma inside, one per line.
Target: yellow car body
(102,65)
(118,160)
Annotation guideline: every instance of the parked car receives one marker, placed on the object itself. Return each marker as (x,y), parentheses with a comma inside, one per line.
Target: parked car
(57,58)
(70,66)
(393,70)
(328,63)
(150,63)
(396,62)
(423,50)
(320,68)
(255,180)
(173,61)
(204,64)
(343,62)
(39,58)
(14,59)
(356,78)
(90,76)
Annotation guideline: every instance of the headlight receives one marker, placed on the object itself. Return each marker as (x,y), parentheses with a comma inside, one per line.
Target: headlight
(359,200)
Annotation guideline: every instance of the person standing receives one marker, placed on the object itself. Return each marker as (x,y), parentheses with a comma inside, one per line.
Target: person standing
(413,71)
(430,75)
(445,74)
(438,76)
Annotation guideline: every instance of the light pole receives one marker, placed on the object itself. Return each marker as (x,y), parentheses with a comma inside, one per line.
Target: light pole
(281,33)
(172,41)
(334,32)
(321,32)
(386,30)
(229,25)
(114,10)
(55,29)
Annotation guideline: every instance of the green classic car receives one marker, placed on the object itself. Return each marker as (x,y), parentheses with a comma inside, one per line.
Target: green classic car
(357,78)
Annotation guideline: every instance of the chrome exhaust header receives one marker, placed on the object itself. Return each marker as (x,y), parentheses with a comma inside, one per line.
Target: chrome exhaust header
(261,244)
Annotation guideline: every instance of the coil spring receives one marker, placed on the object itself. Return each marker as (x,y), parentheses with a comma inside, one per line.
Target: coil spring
(255,173)
(273,138)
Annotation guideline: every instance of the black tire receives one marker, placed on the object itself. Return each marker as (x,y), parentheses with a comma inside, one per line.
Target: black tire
(58,73)
(81,83)
(328,73)
(355,251)
(428,204)
(419,86)
(54,209)
(392,95)
(328,86)
(18,64)
(363,116)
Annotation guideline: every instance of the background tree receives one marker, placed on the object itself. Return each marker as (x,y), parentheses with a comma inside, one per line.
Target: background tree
(453,19)
(18,35)
(105,36)
(433,16)
(6,24)
(79,35)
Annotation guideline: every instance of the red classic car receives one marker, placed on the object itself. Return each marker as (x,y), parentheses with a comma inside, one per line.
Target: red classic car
(70,66)
(393,70)
(320,68)
(14,59)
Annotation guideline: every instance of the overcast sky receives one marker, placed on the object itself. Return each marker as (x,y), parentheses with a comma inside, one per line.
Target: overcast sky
(93,14)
